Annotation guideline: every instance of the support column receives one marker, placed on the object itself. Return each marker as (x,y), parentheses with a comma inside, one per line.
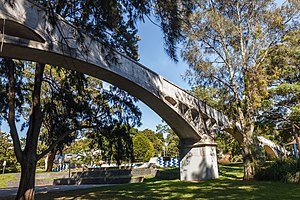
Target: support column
(198,161)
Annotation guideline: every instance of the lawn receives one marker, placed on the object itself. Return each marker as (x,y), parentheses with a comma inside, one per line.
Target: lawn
(228,186)
(6,177)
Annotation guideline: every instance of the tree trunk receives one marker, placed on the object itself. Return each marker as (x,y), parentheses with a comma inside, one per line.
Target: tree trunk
(248,159)
(51,157)
(27,181)
(29,157)
(248,168)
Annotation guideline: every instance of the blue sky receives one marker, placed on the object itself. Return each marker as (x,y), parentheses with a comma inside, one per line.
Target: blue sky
(153,56)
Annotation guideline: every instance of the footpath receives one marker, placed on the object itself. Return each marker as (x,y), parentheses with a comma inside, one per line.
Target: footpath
(8,193)
(62,181)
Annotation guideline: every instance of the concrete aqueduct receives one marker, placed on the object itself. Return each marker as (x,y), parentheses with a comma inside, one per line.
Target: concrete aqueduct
(26,33)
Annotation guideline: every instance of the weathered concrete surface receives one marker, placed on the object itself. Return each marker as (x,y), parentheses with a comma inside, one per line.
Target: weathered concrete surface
(273,150)
(198,161)
(28,34)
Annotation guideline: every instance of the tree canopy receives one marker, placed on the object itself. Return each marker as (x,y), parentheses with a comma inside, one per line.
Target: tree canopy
(7,153)
(156,139)
(171,140)
(114,22)
(111,22)
(227,43)
(143,148)
(282,107)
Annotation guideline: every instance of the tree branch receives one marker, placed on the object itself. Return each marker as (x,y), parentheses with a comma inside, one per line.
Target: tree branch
(35,117)
(11,114)
(61,137)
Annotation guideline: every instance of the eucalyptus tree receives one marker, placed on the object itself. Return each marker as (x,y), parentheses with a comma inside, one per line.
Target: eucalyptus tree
(226,45)
(281,112)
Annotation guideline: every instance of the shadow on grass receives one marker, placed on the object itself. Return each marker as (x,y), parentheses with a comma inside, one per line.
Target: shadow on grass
(233,171)
(228,176)
(175,189)
(229,186)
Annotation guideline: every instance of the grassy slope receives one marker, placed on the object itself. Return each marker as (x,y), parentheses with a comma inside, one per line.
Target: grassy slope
(229,186)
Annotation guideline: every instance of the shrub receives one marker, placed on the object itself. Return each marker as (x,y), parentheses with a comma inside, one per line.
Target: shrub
(284,170)
(142,148)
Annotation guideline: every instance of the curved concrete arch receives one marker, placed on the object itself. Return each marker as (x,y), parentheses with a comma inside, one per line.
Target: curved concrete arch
(62,44)
(16,29)
(31,36)
(272,150)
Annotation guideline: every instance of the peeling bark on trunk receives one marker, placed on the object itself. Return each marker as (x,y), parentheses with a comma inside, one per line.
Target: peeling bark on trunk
(248,160)
(248,155)
(50,160)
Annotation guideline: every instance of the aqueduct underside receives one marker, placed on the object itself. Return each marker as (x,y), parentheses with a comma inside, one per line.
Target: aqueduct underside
(26,33)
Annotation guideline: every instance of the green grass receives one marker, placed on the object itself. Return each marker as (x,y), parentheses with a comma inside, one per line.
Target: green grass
(213,189)
(228,186)
(232,171)
(6,177)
